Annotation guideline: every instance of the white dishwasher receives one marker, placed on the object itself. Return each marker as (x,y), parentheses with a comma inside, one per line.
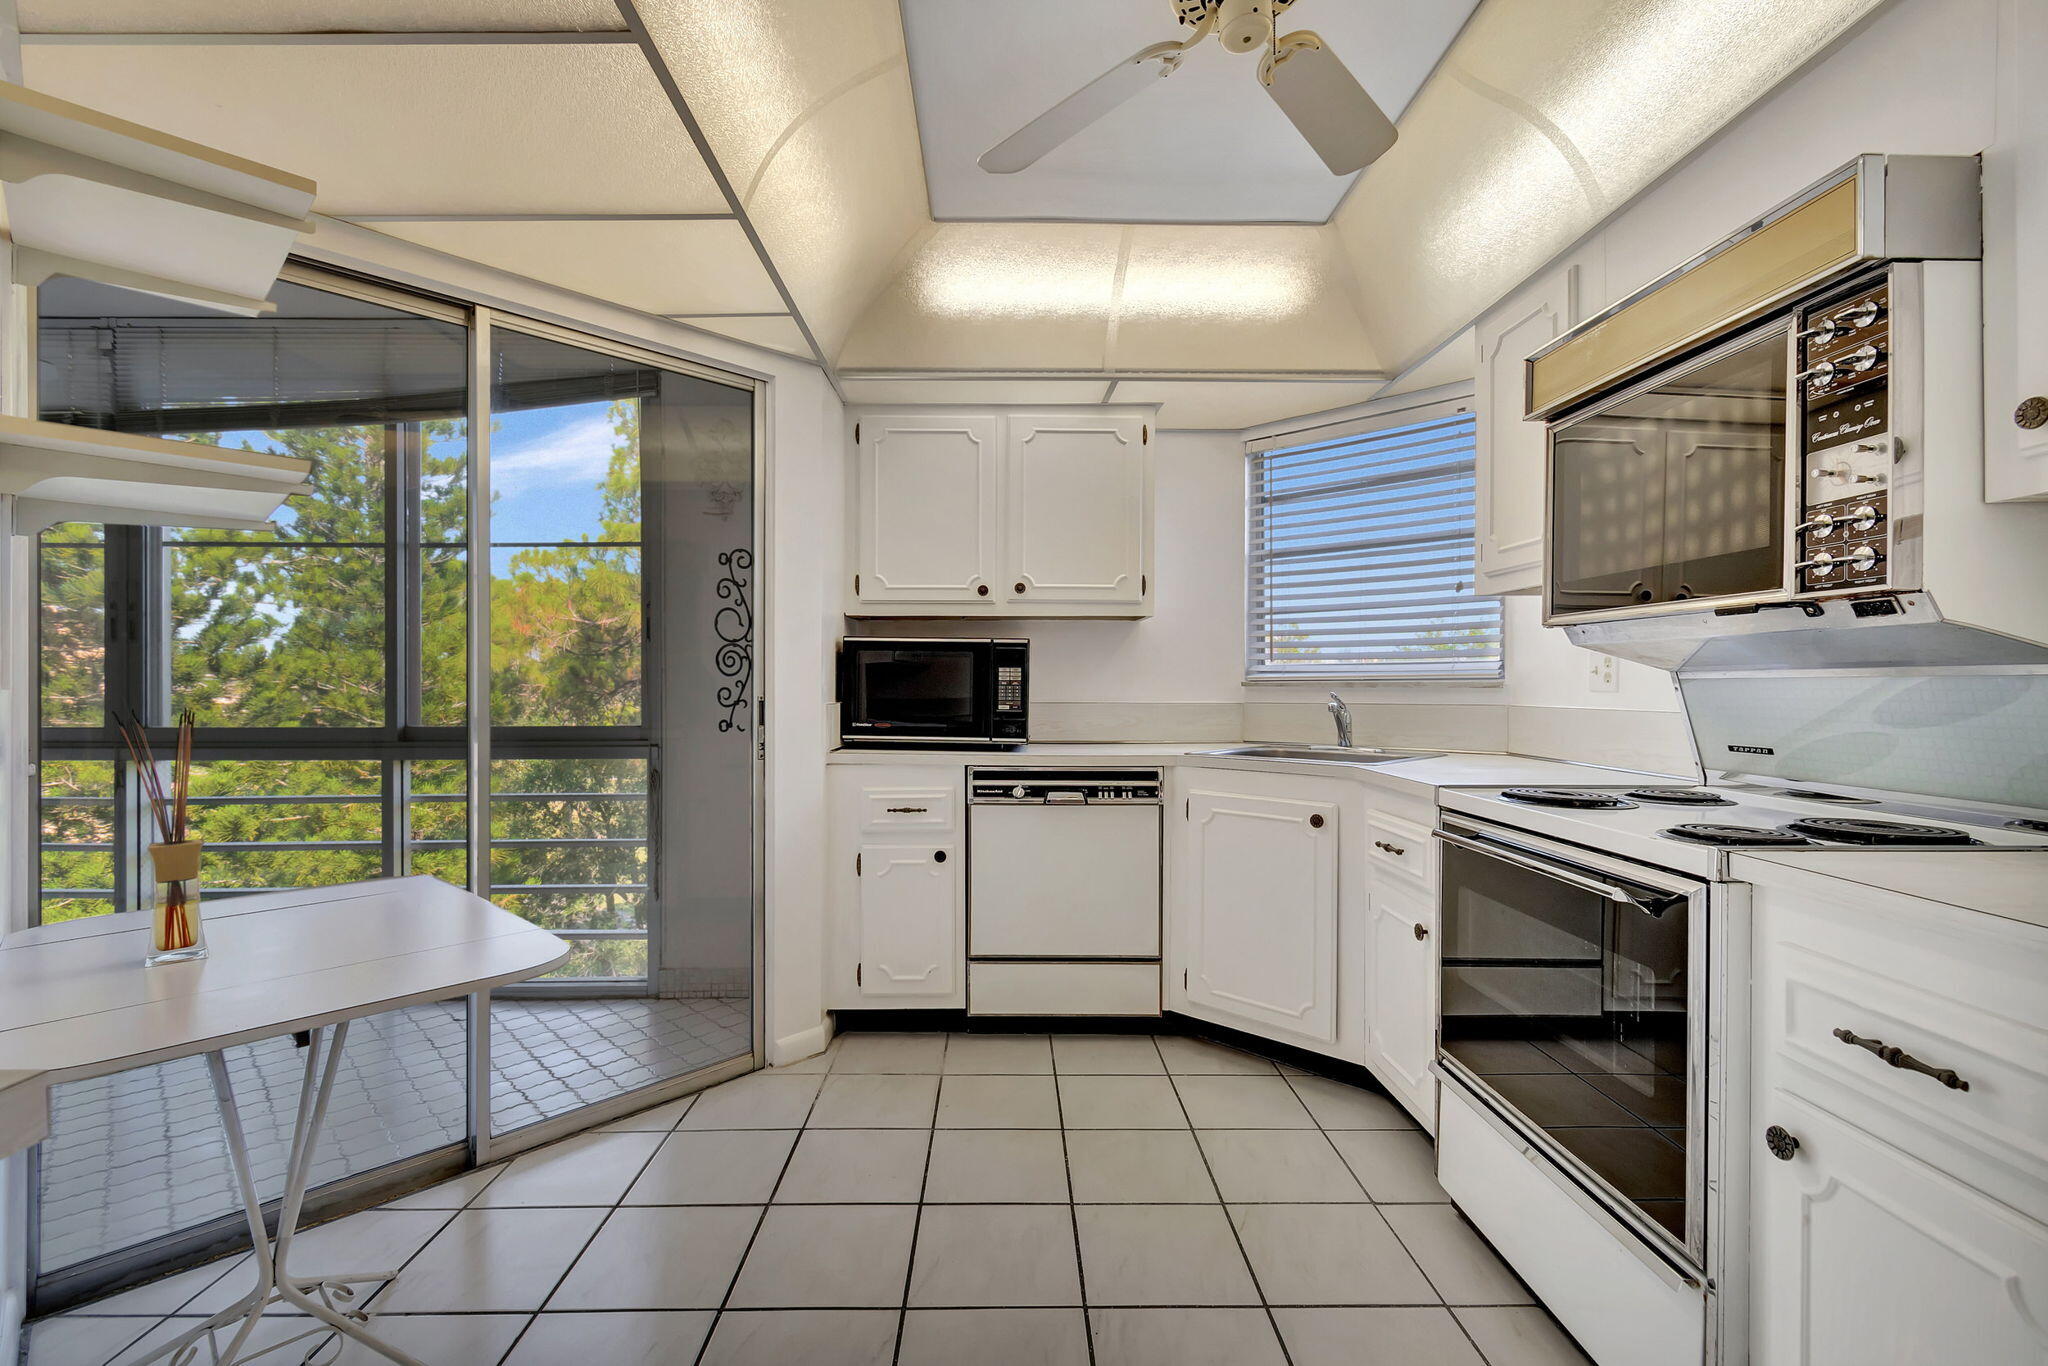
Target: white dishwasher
(1063,891)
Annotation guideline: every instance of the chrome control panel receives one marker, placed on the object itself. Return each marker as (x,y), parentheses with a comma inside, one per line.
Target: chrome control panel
(1847,450)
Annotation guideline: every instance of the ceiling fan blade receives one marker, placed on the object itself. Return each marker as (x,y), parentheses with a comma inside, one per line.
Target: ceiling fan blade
(1328,107)
(1079,109)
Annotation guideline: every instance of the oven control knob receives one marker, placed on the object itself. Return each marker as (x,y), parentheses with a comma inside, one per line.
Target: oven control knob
(1863,558)
(1863,518)
(1862,358)
(1020,791)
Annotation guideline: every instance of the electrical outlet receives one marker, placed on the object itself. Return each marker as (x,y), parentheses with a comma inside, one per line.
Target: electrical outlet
(1601,674)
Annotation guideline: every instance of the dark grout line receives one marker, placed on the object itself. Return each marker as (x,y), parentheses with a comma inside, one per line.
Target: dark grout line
(917,1220)
(1272,1321)
(752,1238)
(1073,1211)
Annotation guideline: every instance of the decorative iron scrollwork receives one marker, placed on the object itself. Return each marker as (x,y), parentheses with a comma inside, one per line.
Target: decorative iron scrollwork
(734,625)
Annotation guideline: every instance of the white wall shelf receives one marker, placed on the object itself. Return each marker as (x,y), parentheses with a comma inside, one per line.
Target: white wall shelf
(61,473)
(97,197)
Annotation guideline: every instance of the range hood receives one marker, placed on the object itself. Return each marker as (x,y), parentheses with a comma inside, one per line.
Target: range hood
(1877,631)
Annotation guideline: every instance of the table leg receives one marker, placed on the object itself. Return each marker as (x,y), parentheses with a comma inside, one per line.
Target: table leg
(314,1295)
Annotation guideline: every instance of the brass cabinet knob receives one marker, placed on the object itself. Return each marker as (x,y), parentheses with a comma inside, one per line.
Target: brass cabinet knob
(2032,413)
(1782,1144)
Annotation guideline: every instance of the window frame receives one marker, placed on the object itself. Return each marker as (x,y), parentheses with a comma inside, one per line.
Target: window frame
(136,652)
(1405,411)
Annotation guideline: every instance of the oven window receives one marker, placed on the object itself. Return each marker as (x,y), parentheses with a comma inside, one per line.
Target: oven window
(1677,492)
(928,690)
(1571,1008)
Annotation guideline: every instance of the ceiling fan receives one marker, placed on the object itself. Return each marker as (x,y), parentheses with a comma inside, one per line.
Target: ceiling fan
(1324,101)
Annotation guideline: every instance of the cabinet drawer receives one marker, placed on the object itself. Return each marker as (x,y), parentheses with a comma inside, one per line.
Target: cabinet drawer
(901,810)
(1957,993)
(1402,847)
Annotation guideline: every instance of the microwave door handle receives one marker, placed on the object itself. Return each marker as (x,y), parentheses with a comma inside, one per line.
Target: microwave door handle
(1651,902)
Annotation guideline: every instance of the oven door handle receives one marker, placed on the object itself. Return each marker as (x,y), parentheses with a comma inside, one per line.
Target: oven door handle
(1646,899)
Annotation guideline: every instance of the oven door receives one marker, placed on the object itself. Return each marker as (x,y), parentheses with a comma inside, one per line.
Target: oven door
(916,691)
(1573,1006)
(1675,491)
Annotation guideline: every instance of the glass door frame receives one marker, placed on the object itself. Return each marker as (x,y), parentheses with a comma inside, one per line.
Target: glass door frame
(126,1266)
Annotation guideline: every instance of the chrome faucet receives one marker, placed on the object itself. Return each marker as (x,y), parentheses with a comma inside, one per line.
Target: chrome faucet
(1341,714)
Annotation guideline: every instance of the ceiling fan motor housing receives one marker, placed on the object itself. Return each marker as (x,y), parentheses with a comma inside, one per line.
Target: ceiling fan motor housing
(1242,25)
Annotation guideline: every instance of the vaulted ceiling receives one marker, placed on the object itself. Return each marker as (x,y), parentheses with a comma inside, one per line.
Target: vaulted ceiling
(757,170)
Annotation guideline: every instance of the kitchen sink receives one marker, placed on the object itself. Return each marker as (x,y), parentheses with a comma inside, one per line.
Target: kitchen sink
(1322,754)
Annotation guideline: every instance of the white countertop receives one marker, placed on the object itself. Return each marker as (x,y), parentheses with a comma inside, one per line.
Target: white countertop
(1442,770)
(24,1110)
(2012,883)
(76,1000)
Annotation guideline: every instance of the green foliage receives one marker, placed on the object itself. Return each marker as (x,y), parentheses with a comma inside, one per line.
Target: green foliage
(289,630)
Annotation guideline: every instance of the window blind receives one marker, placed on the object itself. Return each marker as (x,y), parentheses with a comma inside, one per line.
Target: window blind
(1360,555)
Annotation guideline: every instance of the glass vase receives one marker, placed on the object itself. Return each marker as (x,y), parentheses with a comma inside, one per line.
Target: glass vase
(176,932)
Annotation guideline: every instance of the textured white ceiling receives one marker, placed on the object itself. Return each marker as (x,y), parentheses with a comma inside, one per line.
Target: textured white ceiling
(329,16)
(1204,145)
(1205,405)
(778,332)
(698,266)
(490,128)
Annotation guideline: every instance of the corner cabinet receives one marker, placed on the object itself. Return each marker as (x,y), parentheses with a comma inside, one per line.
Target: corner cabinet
(898,888)
(1511,451)
(1042,512)
(2016,262)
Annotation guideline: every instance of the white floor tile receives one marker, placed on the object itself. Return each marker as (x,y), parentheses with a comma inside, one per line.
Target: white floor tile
(659,1119)
(718,1167)
(667,1258)
(500,1260)
(856,1166)
(827,1256)
(759,1100)
(588,1169)
(72,1340)
(1338,1105)
(1161,1254)
(1520,1337)
(1184,1337)
(451,1194)
(998,1054)
(1375,1337)
(1138,1166)
(974,1255)
(998,1102)
(1277,1165)
(876,1102)
(1198,1057)
(663,1339)
(1119,1102)
(994,1337)
(991,1166)
(890,1053)
(1396,1166)
(1241,1103)
(1328,1254)
(442,1339)
(812,1337)
(1459,1264)
(1112,1054)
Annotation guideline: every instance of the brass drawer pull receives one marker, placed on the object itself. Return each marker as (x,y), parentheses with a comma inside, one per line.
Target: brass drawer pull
(1899,1057)
(1394,849)
(907,810)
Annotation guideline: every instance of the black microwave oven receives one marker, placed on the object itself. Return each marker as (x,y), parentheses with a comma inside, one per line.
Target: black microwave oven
(896,690)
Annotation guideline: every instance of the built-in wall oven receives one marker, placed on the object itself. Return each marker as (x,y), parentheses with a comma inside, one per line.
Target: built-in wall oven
(1577,1006)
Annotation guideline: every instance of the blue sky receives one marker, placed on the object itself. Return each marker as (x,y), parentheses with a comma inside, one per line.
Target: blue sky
(546,464)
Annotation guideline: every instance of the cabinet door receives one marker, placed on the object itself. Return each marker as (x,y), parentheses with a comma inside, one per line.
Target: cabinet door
(909,920)
(1077,506)
(1511,450)
(1261,928)
(1400,1027)
(2016,260)
(927,508)
(1866,1256)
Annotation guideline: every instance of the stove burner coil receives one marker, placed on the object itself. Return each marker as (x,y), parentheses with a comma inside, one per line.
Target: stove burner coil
(1678,796)
(1566,797)
(1854,830)
(1737,836)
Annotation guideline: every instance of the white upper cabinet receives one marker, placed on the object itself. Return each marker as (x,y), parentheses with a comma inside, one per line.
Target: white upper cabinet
(2016,263)
(1077,495)
(927,507)
(1259,927)
(1041,512)
(1511,451)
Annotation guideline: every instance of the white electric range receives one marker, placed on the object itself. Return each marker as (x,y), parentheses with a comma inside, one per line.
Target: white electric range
(1592,1040)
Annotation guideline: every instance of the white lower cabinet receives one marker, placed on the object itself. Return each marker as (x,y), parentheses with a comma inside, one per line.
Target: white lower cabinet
(897,865)
(1400,1018)
(1259,927)
(1897,1218)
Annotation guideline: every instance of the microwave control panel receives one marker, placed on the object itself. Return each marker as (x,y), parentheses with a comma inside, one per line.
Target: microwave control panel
(1843,349)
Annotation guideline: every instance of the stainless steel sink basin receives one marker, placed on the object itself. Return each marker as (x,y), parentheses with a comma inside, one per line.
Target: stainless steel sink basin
(1322,754)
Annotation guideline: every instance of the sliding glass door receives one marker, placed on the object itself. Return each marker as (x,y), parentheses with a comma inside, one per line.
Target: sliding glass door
(326,661)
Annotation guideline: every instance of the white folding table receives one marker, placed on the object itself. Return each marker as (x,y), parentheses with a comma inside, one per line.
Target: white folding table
(77,1002)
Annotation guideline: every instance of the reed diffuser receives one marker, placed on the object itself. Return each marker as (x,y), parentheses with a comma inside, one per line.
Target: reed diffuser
(175,932)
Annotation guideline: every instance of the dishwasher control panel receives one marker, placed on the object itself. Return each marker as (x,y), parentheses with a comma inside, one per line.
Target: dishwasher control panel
(1064,786)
